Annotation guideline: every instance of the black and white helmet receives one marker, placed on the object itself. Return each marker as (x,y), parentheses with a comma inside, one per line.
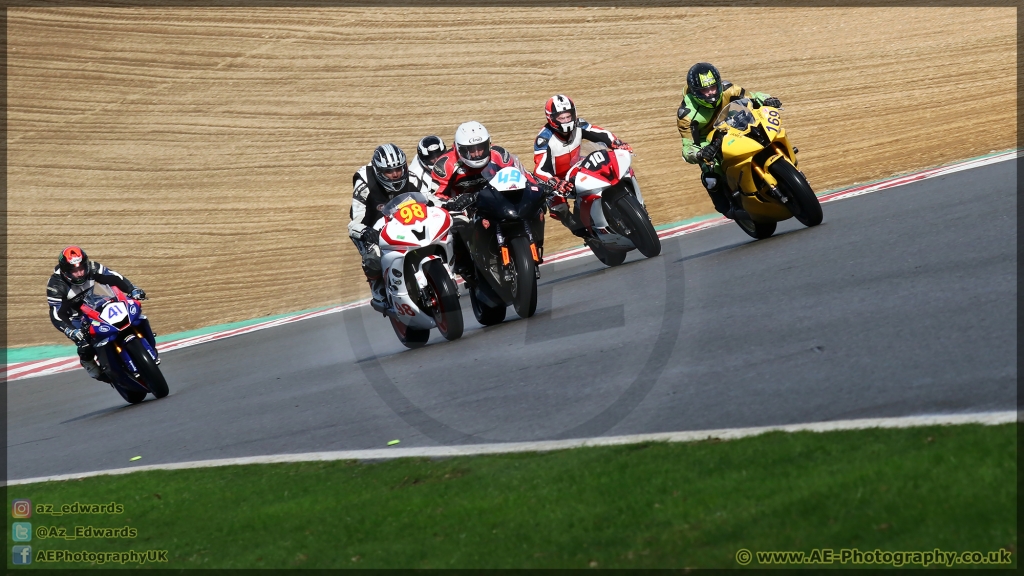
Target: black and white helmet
(390,167)
(430,149)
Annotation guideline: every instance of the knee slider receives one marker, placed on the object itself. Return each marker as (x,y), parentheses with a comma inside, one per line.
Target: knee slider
(710,181)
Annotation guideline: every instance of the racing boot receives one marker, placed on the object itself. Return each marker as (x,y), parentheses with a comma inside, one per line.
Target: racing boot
(94,370)
(559,210)
(378,295)
(463,260)
(575,224)
(716,190)
(736,211)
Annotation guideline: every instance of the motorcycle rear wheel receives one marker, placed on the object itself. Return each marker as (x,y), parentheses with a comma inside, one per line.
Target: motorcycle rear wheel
(149,372)
(642,231)
(409,337)
(448,312)
(606,256)
(795,186)
(757,230)
(486,315)
(130,396)
(524,282)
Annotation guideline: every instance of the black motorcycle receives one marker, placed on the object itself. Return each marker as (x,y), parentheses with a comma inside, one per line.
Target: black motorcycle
(502,233)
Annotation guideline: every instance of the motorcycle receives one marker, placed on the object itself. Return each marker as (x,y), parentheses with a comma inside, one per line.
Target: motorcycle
(503,228)
(609,206)
(761,171)
(416,251)
(125,348)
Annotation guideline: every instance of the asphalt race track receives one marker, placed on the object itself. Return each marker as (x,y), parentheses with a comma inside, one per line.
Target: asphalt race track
(902,302)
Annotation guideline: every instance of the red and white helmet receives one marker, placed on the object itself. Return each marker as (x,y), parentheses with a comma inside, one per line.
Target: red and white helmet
(558,105)
(74,265)
(473,144)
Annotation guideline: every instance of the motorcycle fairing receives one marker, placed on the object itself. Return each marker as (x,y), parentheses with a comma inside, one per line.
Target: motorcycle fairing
(745,159)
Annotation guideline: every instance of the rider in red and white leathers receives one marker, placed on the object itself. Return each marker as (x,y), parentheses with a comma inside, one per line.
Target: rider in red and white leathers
(465,170)
(557,148)
(468,166)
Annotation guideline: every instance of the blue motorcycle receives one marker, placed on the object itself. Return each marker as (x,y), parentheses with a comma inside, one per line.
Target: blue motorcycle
(125,344)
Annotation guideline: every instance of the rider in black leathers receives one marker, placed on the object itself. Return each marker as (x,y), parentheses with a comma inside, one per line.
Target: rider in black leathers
(71,281)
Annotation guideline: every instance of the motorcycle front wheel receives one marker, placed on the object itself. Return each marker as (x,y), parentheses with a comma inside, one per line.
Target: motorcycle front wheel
(524,279)
(642,232)
(149,372)
(795,186)
(447,312)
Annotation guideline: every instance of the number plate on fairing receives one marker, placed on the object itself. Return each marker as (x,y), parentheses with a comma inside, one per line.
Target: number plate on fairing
(114,312)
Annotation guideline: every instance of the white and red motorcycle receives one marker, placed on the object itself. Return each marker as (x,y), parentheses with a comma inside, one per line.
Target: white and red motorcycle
(416,251)
(609,206)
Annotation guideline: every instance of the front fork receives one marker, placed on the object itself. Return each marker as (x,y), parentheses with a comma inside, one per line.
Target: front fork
(149,339)
(503,248)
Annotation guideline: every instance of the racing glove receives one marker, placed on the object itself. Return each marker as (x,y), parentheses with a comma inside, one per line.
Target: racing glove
(370,235)
(138,294)
(707,153)
(773,102)
(76,335)
(560,186)
(620,145)
(459,203)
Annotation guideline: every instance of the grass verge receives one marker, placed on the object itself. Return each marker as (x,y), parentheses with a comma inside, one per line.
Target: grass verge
(647,505)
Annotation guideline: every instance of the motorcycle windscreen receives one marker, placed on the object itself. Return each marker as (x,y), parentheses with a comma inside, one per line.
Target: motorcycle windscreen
(507,179)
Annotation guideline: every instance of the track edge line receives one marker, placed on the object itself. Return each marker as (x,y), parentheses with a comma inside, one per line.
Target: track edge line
(983,418)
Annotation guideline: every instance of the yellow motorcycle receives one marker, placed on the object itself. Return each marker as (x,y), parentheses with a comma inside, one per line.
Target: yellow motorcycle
(760,167)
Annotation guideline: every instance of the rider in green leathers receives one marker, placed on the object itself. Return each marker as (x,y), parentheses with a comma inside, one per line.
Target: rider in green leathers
(704,97)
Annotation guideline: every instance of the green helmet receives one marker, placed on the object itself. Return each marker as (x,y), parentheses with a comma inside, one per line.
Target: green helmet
(704,84)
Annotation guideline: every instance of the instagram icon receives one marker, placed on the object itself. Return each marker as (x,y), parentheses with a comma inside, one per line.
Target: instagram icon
(21,508)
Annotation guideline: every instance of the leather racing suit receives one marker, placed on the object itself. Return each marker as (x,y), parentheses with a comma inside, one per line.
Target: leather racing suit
(694,120)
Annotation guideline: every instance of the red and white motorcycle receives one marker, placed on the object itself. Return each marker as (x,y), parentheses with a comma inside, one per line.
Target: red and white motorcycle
(608,204)
(416,254)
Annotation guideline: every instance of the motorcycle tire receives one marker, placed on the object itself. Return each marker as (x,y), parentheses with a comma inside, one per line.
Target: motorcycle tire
(149,372)
(606,256)
(130,396)
(642,231)
(524,281)
(795,186)
(409,337)
(757,230)
(448,312)
(486,315)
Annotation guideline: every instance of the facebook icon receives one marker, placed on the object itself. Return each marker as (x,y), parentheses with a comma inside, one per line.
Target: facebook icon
(21,555)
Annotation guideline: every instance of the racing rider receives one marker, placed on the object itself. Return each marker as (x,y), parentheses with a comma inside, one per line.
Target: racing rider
(386,176)
(557,148)
(703,98)
(70,283)
(465,170)
(428,151)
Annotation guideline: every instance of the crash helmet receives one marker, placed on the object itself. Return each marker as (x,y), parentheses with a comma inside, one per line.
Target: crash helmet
(430,149)
(704,84)
(390,167)
(473,144)
(555,110)
(74,265)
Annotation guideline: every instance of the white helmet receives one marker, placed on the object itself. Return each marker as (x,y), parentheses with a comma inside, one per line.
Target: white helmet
(473,144)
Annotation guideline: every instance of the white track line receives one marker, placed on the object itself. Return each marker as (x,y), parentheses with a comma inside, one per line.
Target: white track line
(984,418)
